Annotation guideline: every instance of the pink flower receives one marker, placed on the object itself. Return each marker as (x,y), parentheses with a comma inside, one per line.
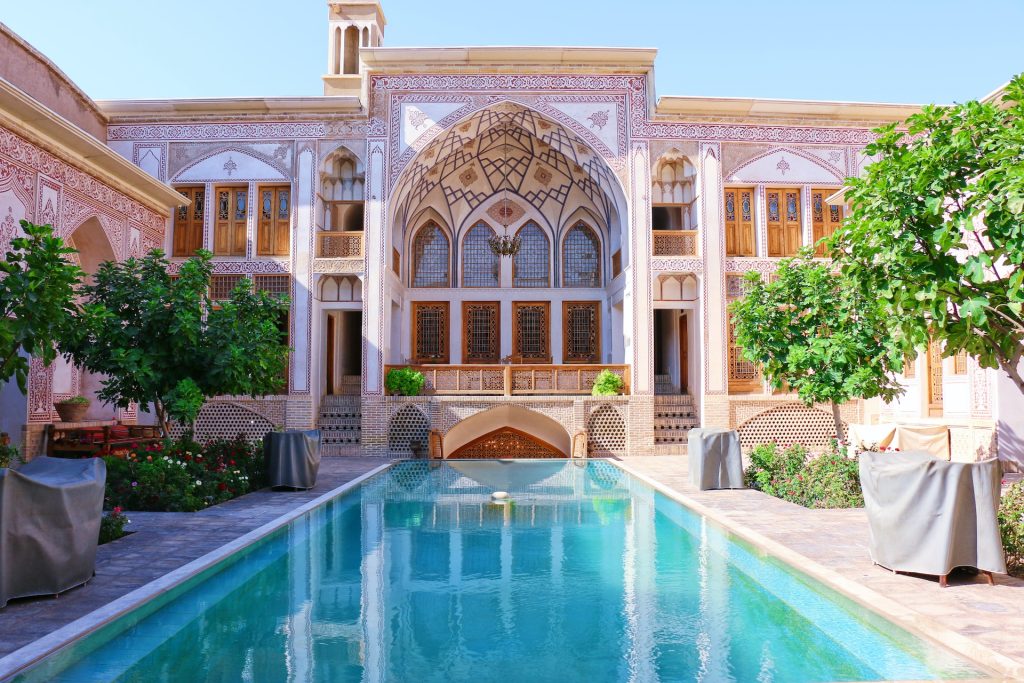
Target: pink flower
(135,483)
(116,511)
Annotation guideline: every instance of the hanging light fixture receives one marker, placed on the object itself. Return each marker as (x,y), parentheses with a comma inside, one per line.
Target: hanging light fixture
(505,244)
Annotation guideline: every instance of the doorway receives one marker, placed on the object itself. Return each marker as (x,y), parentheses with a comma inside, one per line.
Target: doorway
(671,352)
(344,347)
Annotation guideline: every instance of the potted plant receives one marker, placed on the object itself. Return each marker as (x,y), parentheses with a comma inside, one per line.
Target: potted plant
(404,382)
(72,409)
(607,383)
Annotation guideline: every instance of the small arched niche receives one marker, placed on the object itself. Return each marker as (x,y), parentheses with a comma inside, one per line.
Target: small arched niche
(673,192)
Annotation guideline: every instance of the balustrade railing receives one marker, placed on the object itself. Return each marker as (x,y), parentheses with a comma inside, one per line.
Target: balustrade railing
(513,380)
(674,242)
(332,244)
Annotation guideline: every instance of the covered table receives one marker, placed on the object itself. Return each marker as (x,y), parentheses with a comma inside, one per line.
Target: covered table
(929,516)
(292,458)
(50,512)
(716,461)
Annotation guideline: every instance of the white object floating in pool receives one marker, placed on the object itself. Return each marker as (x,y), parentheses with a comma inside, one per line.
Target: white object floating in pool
(499,495)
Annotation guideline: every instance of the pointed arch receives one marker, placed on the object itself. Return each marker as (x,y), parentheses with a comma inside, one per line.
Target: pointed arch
(531,266)
(581,256)
(431,257)
(481,267)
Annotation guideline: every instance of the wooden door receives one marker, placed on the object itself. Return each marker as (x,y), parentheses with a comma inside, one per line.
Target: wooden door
(331,340)
(782,208)
(531,332)
(430,333)
(684,356)
(481,332)
(739,222)
(825,219)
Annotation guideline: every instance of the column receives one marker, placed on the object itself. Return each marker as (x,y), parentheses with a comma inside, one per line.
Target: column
(374,427)
(300,408)
(714,351)
(638,321)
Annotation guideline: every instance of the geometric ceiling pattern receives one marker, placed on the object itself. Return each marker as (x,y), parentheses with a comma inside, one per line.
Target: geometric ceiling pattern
(506,148)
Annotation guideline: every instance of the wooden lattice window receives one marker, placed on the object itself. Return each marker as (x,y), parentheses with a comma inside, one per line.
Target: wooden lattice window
(782,209)
(581,258)
(229,233)
(188,222)
(480,265)
(481,332)
(826,218)
(960,363)
(531,266)
(739,222)
(934,379)
(910,366)
(396,262)
(430,332)
(616,263)
(430,258)
(744,376)
(531,332)
(275,285)
(273,235)
(221,286)
(581,332)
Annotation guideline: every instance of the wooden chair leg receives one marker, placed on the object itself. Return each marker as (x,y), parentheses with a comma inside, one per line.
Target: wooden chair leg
(991,580)
(943,580)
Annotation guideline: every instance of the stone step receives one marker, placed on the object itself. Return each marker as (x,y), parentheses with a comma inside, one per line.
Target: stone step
(340,450)
(671,449)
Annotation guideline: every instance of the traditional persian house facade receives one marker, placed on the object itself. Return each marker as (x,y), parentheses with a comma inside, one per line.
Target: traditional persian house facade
(373,208)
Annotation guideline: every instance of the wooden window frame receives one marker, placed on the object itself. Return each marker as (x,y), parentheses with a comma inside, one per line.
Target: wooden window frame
(446,338)
(517,356)
(235,229)
(496,356)
(274,234)
(832,216)
(595,357)
(736,230)
(788,235)
(187,232)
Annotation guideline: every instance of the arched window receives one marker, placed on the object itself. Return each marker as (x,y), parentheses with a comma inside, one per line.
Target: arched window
(430,257)
(531,264)
(480,265)
(581,260)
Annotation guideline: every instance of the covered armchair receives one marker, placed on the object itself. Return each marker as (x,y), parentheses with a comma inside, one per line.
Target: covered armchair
(50,513)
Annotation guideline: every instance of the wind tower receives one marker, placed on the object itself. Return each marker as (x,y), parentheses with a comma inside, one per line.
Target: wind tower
(352,26)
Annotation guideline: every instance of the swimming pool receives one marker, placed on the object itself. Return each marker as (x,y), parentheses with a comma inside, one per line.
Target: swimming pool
(416,575)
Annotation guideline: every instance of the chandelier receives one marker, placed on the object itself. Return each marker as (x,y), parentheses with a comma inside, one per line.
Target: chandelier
(505,244)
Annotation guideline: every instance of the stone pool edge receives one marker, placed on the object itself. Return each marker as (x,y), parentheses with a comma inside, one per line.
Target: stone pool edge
(31,654)
(979,654)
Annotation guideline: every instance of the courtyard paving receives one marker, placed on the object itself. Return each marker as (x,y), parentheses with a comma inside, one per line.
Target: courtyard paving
(988,621)
(161,543)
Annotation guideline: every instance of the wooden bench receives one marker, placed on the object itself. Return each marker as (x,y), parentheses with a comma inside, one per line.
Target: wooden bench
(77,439)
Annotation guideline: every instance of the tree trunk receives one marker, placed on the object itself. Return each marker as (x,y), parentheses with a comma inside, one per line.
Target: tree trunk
(838,420)
(1012,369)
(161,416)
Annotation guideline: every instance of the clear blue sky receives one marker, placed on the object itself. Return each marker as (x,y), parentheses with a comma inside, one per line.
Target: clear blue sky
(876,50)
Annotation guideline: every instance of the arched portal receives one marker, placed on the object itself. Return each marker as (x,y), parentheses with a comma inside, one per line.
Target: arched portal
(504,432)
(94,248)
(508,171)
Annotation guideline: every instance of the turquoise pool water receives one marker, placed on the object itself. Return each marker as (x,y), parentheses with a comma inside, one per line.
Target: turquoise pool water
(587,575)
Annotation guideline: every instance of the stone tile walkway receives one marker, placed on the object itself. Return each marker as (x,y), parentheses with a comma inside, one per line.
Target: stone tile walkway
(975,613)
(162,542)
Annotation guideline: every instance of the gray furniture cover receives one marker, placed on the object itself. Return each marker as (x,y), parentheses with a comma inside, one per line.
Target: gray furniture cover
(292,458)
(929,516)
(716,461)
(50,511)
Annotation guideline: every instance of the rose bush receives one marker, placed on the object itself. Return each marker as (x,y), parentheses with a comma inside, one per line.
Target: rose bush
(182,476)
(830,480)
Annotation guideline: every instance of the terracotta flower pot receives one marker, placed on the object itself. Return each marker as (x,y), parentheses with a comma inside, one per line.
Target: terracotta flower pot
(71,412)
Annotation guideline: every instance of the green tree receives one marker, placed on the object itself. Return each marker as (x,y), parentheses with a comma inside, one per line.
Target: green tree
(37,299)
(162,341)
(936,230)
(813,333)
